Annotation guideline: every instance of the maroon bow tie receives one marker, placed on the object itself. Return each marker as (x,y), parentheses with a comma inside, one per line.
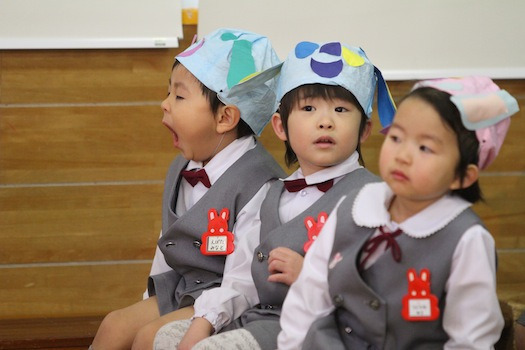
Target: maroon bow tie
(194,176)
(299,184)
(372,244)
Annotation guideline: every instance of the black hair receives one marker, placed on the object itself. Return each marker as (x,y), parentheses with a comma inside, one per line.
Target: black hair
(468,144)
(243,129)
(291,99)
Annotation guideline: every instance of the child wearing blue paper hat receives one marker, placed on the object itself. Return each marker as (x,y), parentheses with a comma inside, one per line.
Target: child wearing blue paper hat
(405,263)
(217,103)
(325,92)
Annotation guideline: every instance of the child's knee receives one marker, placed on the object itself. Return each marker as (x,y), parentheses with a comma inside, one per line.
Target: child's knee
(114,321)
(112,325)
(145,336)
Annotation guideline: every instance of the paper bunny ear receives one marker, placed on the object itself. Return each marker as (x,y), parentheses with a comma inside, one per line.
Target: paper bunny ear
(486,109)
(490,141)
(386,108)
(483,107)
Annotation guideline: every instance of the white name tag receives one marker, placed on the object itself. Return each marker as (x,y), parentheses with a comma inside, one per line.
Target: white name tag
(419,308)
(216,244)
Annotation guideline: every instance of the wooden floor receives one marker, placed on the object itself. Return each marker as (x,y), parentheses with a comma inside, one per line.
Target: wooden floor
(83,157)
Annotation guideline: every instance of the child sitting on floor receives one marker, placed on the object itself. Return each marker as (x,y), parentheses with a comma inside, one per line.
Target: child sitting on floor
(405,263)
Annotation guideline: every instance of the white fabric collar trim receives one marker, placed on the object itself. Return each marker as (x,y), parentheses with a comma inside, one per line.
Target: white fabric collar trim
(225,158)
(345,167)
(370,209)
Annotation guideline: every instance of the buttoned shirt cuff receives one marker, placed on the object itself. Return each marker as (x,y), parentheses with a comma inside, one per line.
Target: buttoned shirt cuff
(213,318)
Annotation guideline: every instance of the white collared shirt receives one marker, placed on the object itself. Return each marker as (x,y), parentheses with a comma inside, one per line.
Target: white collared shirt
(237,293)
(469,284)
(189,195)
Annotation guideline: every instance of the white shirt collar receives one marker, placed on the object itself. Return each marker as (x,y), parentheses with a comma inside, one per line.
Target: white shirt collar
(225,158)
(347,166)
(371,210)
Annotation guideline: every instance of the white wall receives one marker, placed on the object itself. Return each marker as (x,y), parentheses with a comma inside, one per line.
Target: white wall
(406,39)
(62,24)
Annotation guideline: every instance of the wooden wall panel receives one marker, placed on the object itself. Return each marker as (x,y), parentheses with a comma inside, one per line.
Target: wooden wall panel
(83,157)
(503,210)
(84,290)
(79,223)
(510,267)
(87,76)
(79,144)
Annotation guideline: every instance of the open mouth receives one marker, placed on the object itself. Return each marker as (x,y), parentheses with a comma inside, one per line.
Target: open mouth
(174,134)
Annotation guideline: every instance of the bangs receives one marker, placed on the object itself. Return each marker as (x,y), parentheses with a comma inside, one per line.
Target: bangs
(326,92)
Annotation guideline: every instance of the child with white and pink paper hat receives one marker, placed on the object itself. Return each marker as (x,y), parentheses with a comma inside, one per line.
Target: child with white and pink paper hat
(405,263)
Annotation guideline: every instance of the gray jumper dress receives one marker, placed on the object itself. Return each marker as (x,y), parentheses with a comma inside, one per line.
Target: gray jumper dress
(368,304)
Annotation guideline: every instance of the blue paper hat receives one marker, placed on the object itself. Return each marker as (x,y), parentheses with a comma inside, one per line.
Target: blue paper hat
(334,63)
(228,61)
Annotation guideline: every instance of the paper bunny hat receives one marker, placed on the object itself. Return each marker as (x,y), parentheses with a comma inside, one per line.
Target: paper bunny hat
(228,61)
(334,63)
(483,107)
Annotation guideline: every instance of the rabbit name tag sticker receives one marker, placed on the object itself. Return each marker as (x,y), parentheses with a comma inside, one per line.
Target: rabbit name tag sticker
(217,240)
(419,304)
(313,228)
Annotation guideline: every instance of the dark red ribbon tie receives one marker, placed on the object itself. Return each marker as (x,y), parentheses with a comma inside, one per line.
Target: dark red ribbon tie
(299,184)
(196,176)
(372,244)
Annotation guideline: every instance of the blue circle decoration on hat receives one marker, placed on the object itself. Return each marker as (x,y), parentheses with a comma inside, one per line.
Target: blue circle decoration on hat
(334,63)
(229,62)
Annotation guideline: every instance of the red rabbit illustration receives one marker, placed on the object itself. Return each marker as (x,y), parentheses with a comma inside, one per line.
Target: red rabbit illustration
(419,304)
(313,228)
(217,240)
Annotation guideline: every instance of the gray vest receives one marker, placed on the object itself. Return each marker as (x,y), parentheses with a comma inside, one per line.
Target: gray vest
(181,236)
(368,305)
(293,235)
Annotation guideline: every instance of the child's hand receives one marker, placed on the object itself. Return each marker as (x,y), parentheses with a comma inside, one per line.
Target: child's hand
(199,329)
(284,265)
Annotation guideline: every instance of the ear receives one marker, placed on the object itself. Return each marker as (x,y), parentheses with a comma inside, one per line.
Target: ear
(212,214)
(227,118)
(309,222)
(225,213)
(424,276)
(366,131)
(471,176)
(411,274)
(278,127)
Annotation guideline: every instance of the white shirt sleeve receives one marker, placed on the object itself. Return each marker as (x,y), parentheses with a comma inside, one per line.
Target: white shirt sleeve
(308,298)
(472,317)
